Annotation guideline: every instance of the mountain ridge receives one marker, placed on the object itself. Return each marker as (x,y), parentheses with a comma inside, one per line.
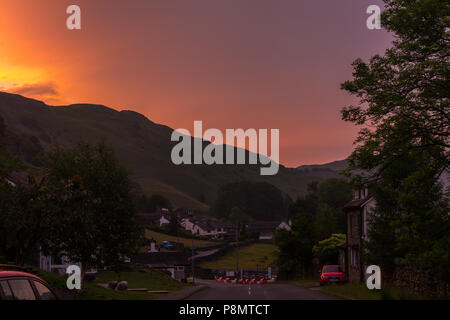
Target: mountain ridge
(144,147)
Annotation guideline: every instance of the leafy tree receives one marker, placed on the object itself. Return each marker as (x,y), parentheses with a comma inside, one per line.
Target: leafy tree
(334,194)
(202,198)
(315,216)
(411,221)
(325,221)
(295,247)
(151,204)
(327,250)
(404,94)
(404,144)
(174,224)
(260,200)
(25,213)
(287,200)
(96,224)
(21,207)
(306,205)
(238,218)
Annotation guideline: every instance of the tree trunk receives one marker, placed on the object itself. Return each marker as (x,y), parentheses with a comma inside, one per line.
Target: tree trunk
(84,267)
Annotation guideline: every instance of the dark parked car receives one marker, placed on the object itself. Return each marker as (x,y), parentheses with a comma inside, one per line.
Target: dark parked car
(332,274)
(19,285)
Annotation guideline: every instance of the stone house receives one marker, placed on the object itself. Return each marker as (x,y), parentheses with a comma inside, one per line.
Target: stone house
(358,211)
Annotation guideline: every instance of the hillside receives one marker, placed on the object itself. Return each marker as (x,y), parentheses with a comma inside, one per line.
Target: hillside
(332,167)
(142,145)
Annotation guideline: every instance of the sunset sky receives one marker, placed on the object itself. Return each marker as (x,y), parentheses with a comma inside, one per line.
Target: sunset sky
(232,64)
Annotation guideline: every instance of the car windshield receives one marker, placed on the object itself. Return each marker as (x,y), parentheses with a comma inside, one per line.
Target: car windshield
(331,269)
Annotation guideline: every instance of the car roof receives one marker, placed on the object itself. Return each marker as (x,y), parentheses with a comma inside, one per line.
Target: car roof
(331,265)
(13,274)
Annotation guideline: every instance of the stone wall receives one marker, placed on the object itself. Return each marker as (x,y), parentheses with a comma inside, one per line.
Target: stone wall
(421,283)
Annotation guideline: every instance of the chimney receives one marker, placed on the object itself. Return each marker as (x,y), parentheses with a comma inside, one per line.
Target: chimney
(153,247)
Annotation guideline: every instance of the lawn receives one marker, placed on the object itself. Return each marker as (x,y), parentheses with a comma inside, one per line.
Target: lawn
(258,255)
(159,237)
(360,292)
(152,280)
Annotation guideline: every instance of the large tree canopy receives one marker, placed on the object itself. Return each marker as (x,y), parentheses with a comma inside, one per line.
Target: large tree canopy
(404,144)
(260,200)
(95,221)
(316,216)
(404,94)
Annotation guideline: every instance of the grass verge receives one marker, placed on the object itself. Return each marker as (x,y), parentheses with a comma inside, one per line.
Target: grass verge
(152,280)
(351,291)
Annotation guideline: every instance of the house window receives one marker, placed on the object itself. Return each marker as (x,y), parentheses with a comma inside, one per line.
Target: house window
(354,257)
(363,222)
(351,224)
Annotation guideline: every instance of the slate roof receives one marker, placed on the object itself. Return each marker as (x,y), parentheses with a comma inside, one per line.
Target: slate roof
(357,203)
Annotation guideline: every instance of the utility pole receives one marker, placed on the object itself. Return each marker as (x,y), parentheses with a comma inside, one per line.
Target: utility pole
(192,260)
(178,238)
(237,249)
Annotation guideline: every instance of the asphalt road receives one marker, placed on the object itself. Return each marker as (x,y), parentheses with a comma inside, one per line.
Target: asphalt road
(231,291)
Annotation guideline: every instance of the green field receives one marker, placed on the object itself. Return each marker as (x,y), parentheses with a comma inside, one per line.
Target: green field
(159,237)
(152,280)
(258,255)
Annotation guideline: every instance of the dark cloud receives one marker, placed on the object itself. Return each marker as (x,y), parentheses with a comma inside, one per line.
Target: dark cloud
(37,89)
(46,92)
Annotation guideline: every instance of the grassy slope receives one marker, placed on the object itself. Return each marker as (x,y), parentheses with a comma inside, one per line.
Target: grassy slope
(143,146)
(250,257)
(333,166)
(159,237)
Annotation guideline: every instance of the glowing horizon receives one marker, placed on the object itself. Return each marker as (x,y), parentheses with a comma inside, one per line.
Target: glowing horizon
(258,64)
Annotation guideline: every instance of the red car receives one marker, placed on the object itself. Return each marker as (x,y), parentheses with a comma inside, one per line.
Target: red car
(332,274)
(19,285)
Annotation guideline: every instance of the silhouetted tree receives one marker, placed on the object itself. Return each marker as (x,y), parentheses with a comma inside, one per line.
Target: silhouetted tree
(95,223)
(404,144)
(259,200)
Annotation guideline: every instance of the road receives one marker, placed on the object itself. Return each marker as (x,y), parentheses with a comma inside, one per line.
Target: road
(230,291)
